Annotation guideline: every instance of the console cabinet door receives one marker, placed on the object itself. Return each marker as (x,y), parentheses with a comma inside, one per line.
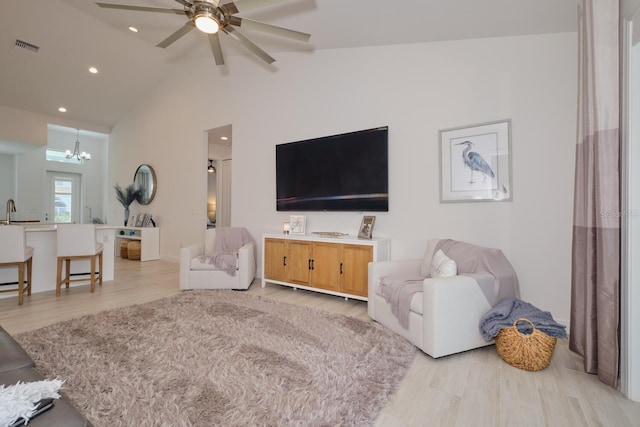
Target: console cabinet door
(299,256)
(275,259)
(325,273)
(354,269)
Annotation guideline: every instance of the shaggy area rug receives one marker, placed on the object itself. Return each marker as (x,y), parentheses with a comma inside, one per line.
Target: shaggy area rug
(222,358)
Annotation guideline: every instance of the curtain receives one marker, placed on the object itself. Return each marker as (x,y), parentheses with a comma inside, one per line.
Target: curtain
(595,281)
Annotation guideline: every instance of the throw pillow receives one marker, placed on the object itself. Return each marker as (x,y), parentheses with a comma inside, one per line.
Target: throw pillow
(425,266)
(443,266)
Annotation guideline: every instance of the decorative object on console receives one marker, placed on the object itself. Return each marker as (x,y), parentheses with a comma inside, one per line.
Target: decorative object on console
(141,219)
(329,233)
(298,224)
(286,227)
(475,163)
(132,220)
(366,227)
(126,196)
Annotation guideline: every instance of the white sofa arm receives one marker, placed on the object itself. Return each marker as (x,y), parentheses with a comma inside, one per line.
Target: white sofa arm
(246,264)
(187,253)
(379,269)
(453,307)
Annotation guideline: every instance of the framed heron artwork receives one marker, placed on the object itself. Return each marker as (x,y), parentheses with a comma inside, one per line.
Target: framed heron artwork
(475,163)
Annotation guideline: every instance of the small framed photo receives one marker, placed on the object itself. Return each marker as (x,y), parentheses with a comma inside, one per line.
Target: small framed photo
(147,220)
(132,220)
(141,218)
(475,163)
(366,227)
(297,224)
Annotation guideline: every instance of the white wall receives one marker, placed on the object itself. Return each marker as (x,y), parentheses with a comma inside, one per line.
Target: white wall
(416,90)
(7,178)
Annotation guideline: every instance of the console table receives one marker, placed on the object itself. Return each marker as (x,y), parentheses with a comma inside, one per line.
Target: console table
(331,265)
(149,238)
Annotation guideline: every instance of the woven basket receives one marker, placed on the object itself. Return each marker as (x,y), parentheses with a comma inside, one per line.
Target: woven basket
(134,250)
(124,254)
(529,352)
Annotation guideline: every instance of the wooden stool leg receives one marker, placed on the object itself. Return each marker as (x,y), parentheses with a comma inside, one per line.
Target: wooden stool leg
(59,277)
(93,273)
(29,275)
(68,272)
(100,267)
(20,283)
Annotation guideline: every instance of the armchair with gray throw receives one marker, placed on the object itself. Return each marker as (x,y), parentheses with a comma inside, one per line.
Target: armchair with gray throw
(225,259)
(437,302)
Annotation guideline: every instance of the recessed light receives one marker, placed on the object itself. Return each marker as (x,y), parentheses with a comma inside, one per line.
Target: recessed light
(133,29)
(93,70)
(62,109)
(224,138)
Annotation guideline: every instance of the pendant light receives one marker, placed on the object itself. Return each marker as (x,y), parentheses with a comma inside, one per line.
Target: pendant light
(76,150)
(211,169)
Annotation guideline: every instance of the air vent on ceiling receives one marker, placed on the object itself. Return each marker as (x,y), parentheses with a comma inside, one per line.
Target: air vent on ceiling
(26,46)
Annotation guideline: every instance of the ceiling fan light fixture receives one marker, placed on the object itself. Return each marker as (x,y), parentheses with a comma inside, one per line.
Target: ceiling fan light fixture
(206,21)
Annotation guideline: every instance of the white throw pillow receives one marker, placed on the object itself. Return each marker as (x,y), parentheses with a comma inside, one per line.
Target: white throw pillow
(443,266)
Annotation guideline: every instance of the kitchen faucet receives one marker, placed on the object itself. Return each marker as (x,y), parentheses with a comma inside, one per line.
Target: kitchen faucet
(11,207)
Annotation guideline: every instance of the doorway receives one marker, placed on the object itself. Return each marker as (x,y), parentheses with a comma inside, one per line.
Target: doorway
(219,156)
(64,197)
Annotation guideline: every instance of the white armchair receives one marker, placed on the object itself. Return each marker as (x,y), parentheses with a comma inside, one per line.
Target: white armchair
(444,317)
(195,274)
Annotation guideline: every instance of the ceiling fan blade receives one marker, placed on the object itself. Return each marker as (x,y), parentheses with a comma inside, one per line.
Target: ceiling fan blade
(249,44)
(268,28)
(245,5)
(141,8)
(216,49)
(175,36)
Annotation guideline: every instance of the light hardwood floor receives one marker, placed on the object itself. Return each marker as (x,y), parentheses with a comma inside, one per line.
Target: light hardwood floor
(474,388)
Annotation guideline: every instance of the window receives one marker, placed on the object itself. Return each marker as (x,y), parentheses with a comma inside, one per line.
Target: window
(61,156)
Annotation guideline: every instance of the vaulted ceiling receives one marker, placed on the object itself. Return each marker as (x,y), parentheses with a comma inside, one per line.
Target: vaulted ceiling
(73,35)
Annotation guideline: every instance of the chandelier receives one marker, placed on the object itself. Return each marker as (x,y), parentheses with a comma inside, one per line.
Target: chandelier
(76,150)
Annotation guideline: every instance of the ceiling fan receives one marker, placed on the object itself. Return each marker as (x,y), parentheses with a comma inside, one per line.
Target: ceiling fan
(211,17)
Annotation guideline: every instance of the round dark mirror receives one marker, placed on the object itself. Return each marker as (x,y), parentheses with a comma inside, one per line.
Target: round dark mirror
(145,181)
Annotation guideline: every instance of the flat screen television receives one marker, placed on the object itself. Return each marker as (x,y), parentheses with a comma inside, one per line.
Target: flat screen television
(346,172)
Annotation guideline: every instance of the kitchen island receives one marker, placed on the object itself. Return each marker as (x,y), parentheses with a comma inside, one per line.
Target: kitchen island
(42,237)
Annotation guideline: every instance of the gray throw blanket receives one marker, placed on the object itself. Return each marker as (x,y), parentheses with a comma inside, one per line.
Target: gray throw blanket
(225,248)
(474,259)
(397,291)
(508,310)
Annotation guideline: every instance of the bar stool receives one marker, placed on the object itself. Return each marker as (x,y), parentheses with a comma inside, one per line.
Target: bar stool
(74,242)
(14,252)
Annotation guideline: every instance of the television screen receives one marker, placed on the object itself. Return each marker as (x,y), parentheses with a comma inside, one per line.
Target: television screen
(346,172)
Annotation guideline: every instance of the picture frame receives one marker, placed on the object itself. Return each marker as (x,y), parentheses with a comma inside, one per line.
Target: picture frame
(366,227)
(131,222)
(297,224)
(141,218)
(475,163)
